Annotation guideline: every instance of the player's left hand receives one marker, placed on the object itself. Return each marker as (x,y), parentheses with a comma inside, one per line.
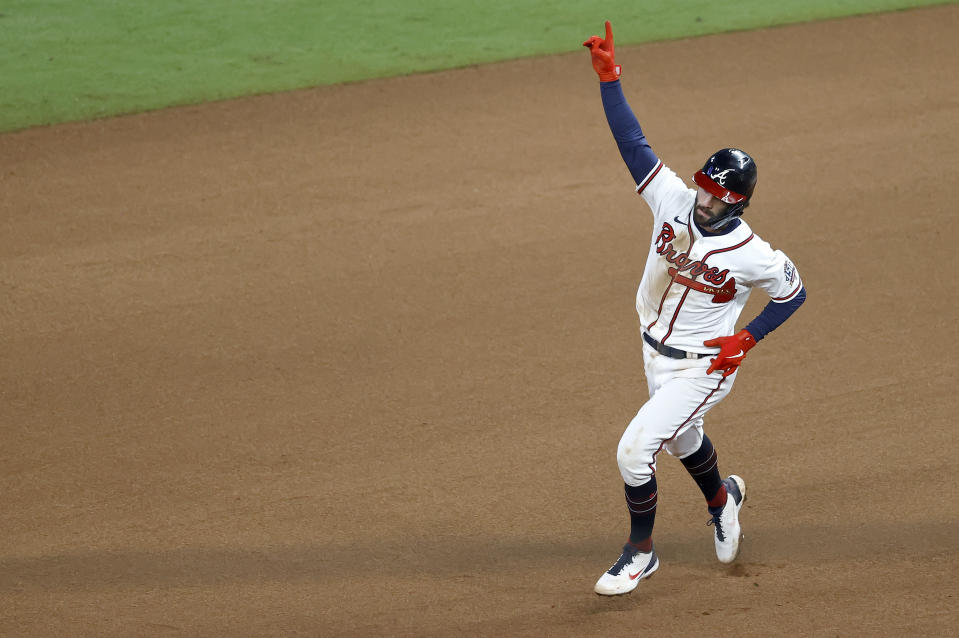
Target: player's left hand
(604,55)
(732,351)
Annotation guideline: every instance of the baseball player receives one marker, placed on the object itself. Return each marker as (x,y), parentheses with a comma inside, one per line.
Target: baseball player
(703,261)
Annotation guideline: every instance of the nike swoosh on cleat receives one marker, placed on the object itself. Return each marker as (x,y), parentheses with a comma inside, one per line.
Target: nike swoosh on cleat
(634,576)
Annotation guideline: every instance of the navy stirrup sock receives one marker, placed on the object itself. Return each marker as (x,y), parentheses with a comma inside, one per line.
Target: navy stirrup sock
(703,466)
(641,502)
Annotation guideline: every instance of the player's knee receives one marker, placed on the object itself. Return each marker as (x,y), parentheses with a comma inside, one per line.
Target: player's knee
(635,464)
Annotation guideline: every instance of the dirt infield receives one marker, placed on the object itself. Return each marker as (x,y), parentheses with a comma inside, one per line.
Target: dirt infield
(354,361)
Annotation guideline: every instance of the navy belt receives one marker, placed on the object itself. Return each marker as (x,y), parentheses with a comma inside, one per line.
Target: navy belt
(669,351)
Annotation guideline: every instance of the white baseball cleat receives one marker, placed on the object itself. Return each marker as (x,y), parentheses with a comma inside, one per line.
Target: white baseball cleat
(725,520)
(632,567)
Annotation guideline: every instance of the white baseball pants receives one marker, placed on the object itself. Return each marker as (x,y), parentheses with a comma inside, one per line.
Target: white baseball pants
(680,394)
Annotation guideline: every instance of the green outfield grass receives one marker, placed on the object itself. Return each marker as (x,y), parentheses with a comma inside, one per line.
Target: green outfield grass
(67,60)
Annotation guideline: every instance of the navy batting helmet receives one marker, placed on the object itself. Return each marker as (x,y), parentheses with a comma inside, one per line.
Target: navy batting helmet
(730,175)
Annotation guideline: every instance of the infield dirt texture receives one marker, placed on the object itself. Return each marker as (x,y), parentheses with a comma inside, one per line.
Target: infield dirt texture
(354,361)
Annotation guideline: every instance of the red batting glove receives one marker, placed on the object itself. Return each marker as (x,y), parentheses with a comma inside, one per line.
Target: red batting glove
(732,351)
(604,55)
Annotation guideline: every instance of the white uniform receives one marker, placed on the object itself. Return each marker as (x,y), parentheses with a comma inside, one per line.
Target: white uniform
(693,289)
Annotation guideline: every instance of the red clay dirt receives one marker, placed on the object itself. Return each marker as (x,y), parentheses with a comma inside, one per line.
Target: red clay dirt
(354,361)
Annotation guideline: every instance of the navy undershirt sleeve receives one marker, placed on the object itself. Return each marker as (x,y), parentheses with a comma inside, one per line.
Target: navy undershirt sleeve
(774,314)
(634,148)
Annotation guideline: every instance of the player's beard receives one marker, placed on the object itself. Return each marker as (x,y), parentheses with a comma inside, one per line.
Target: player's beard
(700,212)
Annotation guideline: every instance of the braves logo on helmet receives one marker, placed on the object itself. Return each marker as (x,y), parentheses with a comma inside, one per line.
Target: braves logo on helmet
(720,177)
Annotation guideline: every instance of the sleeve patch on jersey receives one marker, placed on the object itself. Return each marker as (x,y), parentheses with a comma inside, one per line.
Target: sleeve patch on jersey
(789,271)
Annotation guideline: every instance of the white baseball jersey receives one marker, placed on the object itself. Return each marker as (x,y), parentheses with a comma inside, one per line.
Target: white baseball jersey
(695,286)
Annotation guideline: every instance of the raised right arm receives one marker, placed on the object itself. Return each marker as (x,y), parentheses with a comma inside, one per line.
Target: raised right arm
(633,147)
(639,158)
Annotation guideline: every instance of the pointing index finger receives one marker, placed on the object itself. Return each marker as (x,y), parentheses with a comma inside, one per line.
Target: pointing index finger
(609,33)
